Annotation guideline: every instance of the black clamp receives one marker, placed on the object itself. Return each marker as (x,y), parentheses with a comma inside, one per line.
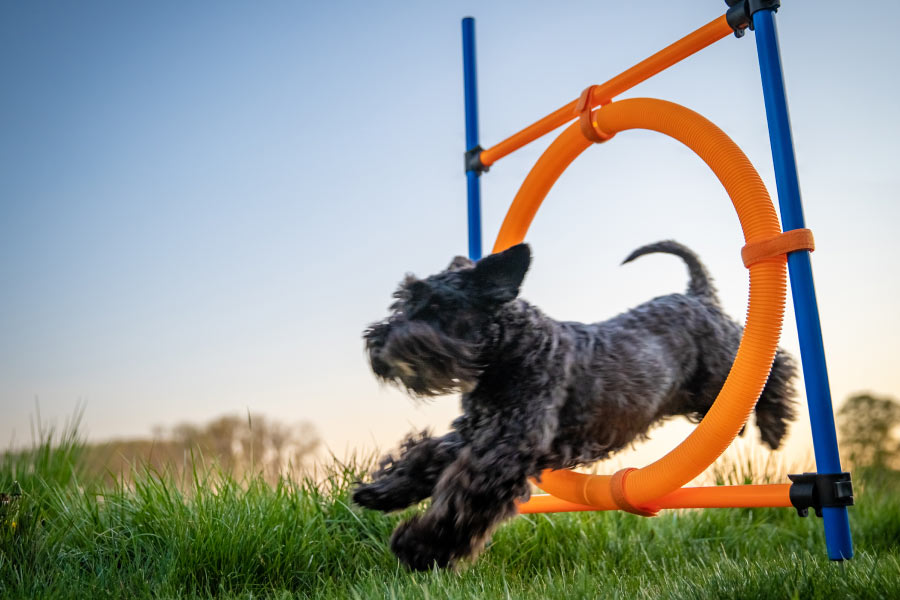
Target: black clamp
(740,13)
(473,161)
(820,490)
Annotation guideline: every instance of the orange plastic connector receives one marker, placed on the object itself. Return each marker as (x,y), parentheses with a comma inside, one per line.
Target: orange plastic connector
(617,489)
(586,119)
(759,221)
(782,244)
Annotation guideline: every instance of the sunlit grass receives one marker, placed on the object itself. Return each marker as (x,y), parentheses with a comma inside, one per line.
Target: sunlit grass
(206,533)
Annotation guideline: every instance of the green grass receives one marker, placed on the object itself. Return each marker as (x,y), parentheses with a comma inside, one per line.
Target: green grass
(210,535)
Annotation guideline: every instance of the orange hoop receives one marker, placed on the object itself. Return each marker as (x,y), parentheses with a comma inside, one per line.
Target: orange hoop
(765,312)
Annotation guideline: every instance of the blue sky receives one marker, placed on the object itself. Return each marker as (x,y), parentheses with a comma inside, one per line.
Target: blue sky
(203,205)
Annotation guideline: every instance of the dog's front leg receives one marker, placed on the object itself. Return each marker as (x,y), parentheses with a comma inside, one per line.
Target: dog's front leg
(411,477)
(474,494)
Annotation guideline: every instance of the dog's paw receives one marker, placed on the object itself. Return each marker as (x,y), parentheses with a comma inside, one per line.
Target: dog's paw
(378,496)
(418,548)
(368,495)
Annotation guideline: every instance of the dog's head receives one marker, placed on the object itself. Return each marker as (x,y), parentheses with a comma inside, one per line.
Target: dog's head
(440,333)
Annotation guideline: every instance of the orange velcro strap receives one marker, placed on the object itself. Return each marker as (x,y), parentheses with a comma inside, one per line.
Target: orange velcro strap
(617,489)
(585,120)
(787,241)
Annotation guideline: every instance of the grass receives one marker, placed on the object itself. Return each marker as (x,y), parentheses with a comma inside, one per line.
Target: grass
(209,535)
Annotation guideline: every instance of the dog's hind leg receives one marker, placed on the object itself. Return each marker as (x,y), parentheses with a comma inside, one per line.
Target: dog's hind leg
(410,477)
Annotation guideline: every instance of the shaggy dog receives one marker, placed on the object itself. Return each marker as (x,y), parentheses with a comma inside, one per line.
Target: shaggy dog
(538,393)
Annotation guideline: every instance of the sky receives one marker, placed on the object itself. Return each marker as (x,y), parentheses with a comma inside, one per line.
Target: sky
(202,205)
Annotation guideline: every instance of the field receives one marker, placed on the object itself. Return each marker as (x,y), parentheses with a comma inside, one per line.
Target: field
(206,534)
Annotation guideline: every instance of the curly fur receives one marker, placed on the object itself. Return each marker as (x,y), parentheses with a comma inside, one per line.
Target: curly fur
(538,393)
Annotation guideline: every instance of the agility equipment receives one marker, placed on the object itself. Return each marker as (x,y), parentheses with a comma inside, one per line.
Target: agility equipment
(766,253)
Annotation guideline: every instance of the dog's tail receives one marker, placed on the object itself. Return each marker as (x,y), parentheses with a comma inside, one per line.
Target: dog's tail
(701,282)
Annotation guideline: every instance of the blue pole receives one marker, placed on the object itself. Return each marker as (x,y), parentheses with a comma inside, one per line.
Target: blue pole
(812,349)
(471,98)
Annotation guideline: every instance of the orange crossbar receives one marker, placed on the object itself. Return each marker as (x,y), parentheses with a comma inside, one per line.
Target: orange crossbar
(604,93)
(720,496)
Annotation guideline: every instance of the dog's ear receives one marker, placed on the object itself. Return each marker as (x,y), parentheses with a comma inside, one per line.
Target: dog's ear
(460,262)
(499,276)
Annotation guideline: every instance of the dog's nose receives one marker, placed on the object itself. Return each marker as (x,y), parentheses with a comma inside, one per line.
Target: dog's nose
(376,335)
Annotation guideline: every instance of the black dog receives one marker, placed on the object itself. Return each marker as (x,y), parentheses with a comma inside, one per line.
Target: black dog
(538,393)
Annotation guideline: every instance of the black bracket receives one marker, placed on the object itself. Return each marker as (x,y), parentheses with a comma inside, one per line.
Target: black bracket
(473,161)
(740,13)
(820,490)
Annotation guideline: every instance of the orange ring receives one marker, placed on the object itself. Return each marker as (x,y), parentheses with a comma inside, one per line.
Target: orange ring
(765,312)
(783,243)
(617,489)
(586,121)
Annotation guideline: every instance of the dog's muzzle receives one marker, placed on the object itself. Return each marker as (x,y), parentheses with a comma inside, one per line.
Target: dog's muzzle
(420,359)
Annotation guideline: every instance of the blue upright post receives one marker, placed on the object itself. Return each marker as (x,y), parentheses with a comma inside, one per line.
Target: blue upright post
(812,350)
(472,175)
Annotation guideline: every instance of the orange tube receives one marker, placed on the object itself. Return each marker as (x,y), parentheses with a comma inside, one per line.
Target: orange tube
(767,292)
(723,496)
(693,42)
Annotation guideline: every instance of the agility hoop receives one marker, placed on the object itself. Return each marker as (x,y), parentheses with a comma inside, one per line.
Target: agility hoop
(659,484)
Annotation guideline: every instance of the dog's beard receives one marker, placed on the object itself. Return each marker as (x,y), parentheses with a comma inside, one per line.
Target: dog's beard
(421,360)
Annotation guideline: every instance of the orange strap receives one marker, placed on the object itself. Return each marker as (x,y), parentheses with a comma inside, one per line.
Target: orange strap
(588,128)
(787,241)
(617,489)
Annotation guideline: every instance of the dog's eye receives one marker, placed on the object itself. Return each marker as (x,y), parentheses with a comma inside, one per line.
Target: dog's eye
(426,308)
(430,310)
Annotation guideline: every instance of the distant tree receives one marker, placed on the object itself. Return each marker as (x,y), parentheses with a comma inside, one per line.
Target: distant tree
(869,428)
(221,438)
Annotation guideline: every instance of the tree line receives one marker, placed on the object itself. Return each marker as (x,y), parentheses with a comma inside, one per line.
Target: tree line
(248,444)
